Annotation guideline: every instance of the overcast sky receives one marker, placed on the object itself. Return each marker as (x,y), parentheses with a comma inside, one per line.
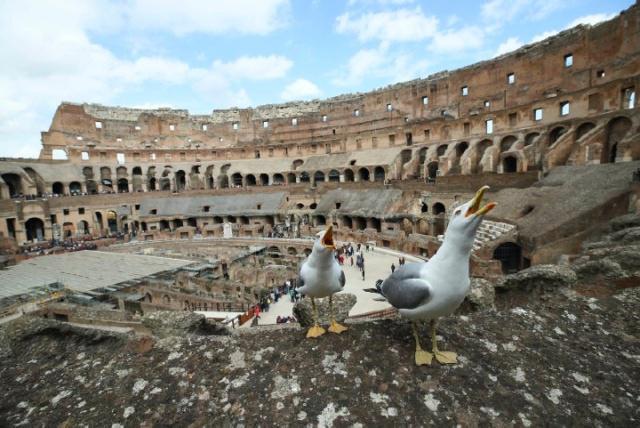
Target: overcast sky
(202,55)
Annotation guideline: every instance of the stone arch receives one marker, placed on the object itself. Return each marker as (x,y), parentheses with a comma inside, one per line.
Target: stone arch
(405,156)
(584,129)
(360,223)
(320,220)
(348,175)
(334,176)
(304,177)
(83,227)
(297,164)
(136,170)
(507,143)
(181,180)
(68,229)
(510,256)
(531,138)
(617,129)
(292,251)
(121,171)
(461,148)
(123,185)
(438,208)
(347,222)
(37,179)
(510,164)
(57,188)
(442,149)
(318,177)
(236,179)
(112,221)
(379,174)
(264,180)
(250,180)
(278,179)
(291,178)
(363,174)
(75,188)
(14,182)
(34,229)
(556,133)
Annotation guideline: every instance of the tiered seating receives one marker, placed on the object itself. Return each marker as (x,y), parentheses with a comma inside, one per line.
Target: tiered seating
(490,231)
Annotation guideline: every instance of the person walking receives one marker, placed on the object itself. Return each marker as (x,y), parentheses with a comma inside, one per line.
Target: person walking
(393,268)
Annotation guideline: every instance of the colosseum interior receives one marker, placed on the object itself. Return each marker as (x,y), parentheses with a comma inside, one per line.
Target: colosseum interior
(553,128)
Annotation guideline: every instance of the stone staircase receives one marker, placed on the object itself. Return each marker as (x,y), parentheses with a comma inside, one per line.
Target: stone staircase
(488,231)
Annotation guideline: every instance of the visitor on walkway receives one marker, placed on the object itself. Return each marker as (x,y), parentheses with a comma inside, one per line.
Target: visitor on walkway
(363,272)
(393,267)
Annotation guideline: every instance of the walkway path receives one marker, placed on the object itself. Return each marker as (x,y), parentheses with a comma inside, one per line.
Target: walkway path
(377,266)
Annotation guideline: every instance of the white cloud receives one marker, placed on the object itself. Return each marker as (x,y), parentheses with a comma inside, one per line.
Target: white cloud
(210,17)
(458,40)
(591,19)
(48,55)
(394,66)
(497,13)
(402,25)
(300,89)
(511,44)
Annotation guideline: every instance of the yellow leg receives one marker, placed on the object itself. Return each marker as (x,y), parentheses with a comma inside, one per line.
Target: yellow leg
(316,330)
(441,356)
(423,358)
(334,327)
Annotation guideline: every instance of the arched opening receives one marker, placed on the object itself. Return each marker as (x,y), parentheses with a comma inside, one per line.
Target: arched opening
(363,174)
(299,206)
(378,174)
(304,177)
(83,227)
(123,185)
(347,222)
(292,251)
(510,256)
(39,182)
(461,148)
(510,164)
(218,220)
(307,251)
(152,185)
(320,220)
(507,143)
(99,221)
(181,180)
(291,178)
(617,130)
(136,170)
(442,149)
(531,138)
(223,181)
(68,229)
(424,208)
(59,154)
(236,179)
(438,208)
(334,176)
(243,220)
(376,224)
(264,180)
(318,177)
(348,175)
(584,129)
(112,221)
(92,187)
(75,188)
(34,228)
(360,223)
(278,179)
(105,178)
(405,156)
(57,188)
(14,183)
(432,170)
(164,225)
(556,133)
(250,179)
(178,222)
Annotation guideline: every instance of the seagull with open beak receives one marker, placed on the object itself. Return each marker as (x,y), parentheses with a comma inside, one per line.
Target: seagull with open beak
(322,276)
(429,290)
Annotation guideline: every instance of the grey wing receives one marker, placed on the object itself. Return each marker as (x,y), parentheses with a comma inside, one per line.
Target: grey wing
(343,279)
(404,289)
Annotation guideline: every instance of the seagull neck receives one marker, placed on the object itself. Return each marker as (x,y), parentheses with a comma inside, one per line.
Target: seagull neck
(451,254)
(321,260)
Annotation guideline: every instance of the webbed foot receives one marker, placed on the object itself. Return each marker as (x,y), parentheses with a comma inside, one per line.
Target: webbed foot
(337,328)
(423,358)
(315,331)
(444,357)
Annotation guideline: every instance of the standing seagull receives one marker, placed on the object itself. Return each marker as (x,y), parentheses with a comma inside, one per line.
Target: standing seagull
(322,276)
(429,290)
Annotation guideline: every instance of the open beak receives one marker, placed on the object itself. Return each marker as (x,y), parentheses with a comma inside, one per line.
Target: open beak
(474,208)
(327,239)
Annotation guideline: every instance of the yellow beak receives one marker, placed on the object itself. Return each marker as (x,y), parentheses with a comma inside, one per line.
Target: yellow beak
(474,208)
(327,239)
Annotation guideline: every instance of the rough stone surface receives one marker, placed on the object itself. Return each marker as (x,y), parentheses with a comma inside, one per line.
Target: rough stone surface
(171,323)
(571,360)
(342,304)
(481,296)
(625,222)
(539,278)
(602,267)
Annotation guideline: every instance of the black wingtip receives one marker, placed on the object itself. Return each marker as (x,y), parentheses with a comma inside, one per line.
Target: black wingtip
(379,285)
(372,290)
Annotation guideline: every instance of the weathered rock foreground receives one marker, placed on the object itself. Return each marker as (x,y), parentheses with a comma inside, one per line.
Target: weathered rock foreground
(567,361)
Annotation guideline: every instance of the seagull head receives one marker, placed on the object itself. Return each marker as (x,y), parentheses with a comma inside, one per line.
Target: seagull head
(325,242)
(466,219)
